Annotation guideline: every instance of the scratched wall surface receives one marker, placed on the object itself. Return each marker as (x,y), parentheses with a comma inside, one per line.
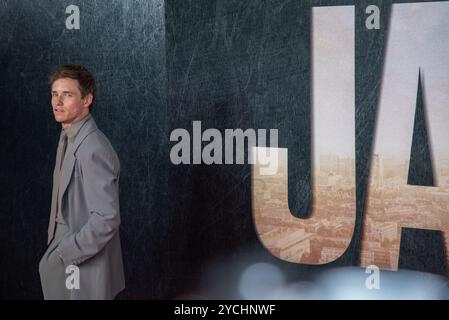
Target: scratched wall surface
(234,64)
(159,66)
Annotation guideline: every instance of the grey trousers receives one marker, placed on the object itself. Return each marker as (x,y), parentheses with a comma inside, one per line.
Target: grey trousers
(52,269)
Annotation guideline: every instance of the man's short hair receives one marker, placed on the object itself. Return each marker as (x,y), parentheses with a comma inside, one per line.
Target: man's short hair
(85,78)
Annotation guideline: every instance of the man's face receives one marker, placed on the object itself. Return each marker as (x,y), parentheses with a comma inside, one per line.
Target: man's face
(68,105)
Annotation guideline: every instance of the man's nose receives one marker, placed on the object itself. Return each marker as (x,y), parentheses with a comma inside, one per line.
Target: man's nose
(59,101)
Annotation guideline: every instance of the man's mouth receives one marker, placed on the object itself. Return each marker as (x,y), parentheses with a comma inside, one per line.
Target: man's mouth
(58,110)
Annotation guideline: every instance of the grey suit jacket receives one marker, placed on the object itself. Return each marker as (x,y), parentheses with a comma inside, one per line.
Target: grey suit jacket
(90,207)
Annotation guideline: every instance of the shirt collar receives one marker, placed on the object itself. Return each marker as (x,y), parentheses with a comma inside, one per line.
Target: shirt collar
(74,128)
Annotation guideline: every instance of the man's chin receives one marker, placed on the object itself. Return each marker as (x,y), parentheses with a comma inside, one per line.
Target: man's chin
(59,119)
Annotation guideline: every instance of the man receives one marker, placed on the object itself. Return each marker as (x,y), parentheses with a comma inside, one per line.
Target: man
(85,215)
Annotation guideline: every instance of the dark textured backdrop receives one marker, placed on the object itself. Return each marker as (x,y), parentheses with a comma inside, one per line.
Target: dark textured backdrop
(159,66)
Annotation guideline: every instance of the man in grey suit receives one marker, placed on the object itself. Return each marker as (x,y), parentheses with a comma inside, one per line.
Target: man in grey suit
(83,231)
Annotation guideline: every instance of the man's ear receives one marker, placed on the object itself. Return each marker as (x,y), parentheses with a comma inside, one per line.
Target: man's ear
(88,100)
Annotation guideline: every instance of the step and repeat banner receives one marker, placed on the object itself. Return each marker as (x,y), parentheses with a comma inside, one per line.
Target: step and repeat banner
(267,149)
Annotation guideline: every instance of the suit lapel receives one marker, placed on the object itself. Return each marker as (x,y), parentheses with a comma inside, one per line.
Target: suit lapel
(69,161)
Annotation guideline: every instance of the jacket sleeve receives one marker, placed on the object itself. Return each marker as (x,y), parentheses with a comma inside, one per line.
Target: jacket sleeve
(100,169)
